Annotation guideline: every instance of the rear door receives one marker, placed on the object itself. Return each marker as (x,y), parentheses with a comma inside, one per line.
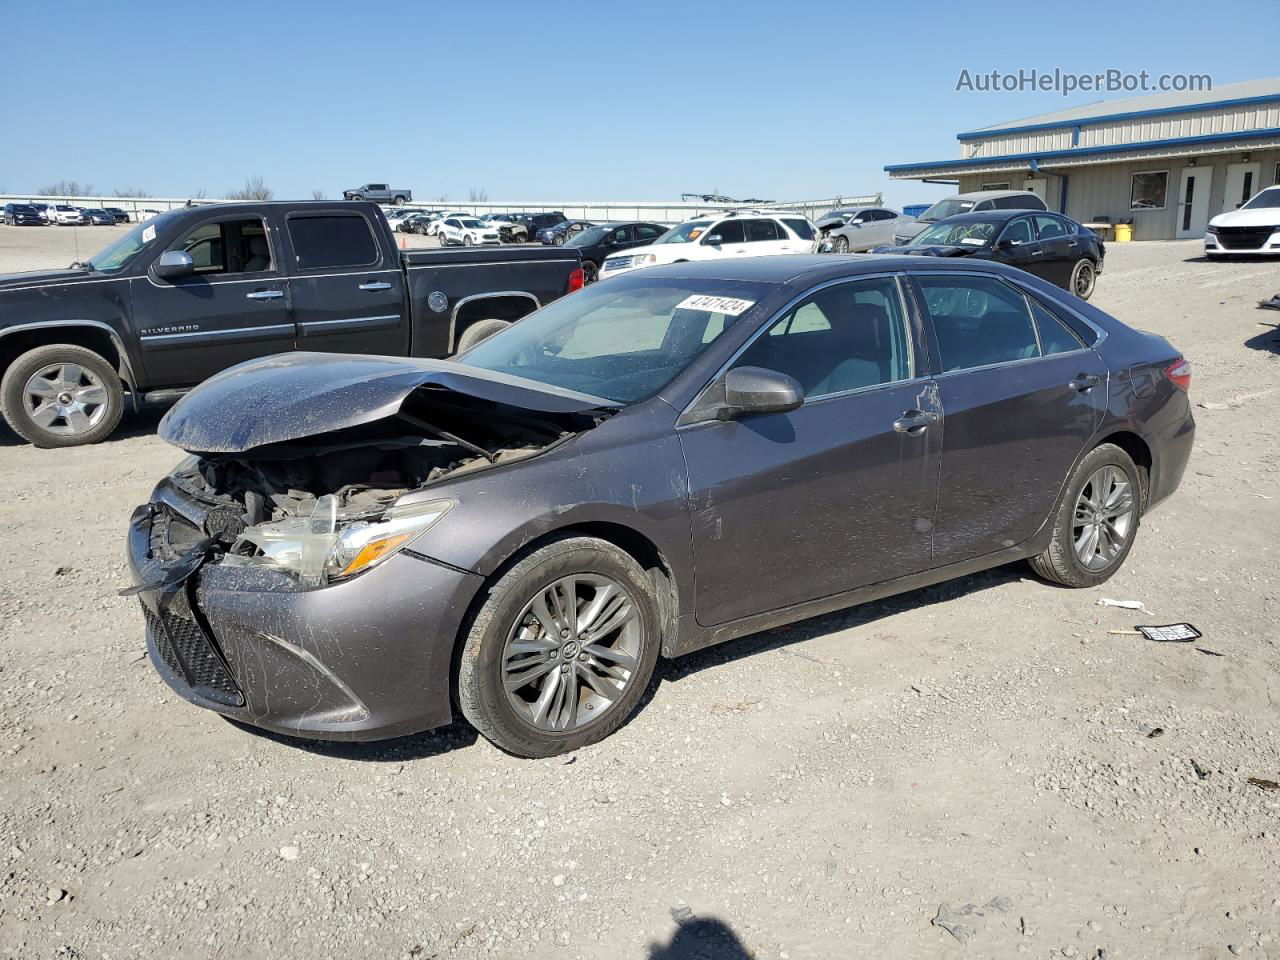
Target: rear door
(347,289)
(1021,395)
(1058,248)
(234,307)
(766,238)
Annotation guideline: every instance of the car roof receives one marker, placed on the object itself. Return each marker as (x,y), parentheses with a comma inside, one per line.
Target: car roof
(989,215)
(805,270)
(989,194)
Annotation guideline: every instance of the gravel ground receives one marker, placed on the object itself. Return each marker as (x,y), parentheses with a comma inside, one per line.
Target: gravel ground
(983,753)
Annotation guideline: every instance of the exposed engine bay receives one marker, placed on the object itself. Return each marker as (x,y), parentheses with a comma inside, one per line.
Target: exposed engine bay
(326,506)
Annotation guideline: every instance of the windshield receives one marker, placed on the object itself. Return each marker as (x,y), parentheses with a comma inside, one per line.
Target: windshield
(685,233)
(118,255)
(472,223)
(971,234)
(838,213)
(947,208)
(588,238)
(1267,198)
(623,340)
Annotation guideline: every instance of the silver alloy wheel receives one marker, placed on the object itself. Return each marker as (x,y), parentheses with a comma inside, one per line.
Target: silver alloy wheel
(1104,517)
(572,652)
(842,245)
(65,399)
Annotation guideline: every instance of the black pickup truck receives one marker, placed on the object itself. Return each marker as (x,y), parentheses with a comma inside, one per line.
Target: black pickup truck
(193,291)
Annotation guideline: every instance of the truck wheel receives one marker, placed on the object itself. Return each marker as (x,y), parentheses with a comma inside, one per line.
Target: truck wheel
(480,330)
(61,395)
(399,201)
(562,651)
(357,196)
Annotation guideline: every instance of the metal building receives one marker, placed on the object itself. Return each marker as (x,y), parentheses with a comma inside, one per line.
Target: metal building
(1167,163)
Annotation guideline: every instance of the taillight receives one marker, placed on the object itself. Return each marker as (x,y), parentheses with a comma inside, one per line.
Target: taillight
(1179,374)
(577,280)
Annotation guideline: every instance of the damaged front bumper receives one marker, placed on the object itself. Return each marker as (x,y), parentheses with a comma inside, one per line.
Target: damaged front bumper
(360,659)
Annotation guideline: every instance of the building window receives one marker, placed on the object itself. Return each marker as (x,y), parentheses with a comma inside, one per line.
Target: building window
(1148,190)
(994,186)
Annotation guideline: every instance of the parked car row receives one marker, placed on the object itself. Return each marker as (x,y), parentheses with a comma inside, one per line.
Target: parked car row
(60,214)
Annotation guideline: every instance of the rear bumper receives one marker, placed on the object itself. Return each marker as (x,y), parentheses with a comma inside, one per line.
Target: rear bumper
(1172,449)
(366,659)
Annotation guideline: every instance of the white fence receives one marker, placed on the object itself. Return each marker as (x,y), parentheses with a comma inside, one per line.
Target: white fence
(142,208)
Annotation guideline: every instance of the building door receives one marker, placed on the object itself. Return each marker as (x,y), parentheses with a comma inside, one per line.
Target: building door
(1193,202)
(1039,186)
(1242,183)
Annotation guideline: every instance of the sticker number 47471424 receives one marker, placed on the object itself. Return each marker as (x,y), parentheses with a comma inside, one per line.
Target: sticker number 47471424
(731,306)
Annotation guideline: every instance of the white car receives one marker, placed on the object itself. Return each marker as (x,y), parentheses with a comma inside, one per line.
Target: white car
(433,227)
(467,231)
(738,233)
(398,216)
(62,213)
(1252,230)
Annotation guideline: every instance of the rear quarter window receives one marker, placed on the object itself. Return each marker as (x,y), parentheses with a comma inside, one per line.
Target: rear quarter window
(801,228)
(332,241)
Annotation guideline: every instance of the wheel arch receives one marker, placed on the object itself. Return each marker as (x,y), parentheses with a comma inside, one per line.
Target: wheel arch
(498,305)
(89,334)
(1139,452)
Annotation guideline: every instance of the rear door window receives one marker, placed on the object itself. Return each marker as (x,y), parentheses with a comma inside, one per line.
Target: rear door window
(332,240)
(646,232)
(978,321)
(761,231)
(1055,335)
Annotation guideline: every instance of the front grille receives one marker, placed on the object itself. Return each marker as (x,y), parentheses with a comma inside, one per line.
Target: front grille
(1244,238)
(187,652)
(616,263)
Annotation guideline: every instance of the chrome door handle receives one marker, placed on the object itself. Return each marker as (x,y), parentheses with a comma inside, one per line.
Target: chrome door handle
(265,295)
(1085,383)
(914,422)
(380,285)
(1037,253)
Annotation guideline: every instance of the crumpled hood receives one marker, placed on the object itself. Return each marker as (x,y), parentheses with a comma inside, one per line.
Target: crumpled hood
(290,396)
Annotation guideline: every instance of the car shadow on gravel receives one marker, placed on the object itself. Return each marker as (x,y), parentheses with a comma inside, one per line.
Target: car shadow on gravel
(846,619)
(1269,339)
(140,424)
(701,938)
(418,746)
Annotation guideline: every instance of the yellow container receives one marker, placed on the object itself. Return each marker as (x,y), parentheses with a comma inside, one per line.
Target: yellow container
(1124,232)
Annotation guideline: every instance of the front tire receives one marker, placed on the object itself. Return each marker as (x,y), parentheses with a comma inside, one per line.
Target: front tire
(61,395)
(1096,520)
(563,649)
(559,240)
(841,245)
(466,241)
(1084,277)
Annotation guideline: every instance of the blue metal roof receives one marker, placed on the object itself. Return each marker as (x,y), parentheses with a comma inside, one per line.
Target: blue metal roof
(1041,156)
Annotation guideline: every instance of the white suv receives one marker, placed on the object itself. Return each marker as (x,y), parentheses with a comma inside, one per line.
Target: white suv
(739,233)
(61,213)
(467,231)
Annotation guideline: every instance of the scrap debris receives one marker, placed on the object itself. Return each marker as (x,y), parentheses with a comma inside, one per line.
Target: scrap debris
(1170,633)
(962,923)
(1264,784)
(1124,605)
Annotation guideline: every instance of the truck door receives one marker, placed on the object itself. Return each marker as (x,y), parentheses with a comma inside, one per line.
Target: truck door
(232,307)
(346,288)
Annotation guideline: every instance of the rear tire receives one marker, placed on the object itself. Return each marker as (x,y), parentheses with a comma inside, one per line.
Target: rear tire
(399,201)
(1084,277)
(480,330)
(510,720)
(1076,557)
(590,271)
(33,387)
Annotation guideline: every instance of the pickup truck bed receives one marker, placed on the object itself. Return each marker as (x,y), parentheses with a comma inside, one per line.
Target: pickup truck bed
(194,291)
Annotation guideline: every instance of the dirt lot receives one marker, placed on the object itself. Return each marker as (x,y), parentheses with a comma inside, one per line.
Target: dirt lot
(817,791)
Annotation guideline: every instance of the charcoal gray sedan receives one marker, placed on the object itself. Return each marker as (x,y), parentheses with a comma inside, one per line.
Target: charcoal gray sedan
(359,546)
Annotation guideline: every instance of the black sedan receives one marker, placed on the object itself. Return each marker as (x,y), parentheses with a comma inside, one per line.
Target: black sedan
(99,218)
(683,455)
(596,243)
(1048,245)
(122,216)
(561,232)
(22,215)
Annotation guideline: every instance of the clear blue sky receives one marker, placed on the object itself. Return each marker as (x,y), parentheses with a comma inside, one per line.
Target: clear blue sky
(642,99)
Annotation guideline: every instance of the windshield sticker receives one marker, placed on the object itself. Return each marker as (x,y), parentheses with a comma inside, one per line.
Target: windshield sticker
(973,241)
(694,234)
(148,234)
(730,306)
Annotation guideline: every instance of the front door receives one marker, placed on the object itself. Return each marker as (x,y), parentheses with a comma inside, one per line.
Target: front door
(1242,183)
(1018,246)
(1193,202)
(234,307)
(791,507)
(1021,395)
(347,294)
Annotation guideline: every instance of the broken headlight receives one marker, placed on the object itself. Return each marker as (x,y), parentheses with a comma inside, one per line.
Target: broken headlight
(324,547)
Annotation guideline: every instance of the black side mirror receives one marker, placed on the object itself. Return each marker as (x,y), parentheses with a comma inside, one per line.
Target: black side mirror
(174,264)
(714,240)
(752,390)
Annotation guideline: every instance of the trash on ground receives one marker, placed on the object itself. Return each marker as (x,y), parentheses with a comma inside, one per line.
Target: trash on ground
(961,923)
(1210,653)
(1264,784)
(1170,633)
(1157,732)
(1124,633)
(1272,304)
(1124,604)
(1201,772)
